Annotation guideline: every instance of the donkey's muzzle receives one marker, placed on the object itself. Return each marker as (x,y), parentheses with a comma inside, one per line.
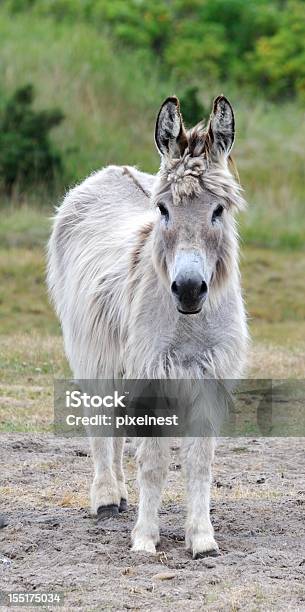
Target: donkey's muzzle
(190,292)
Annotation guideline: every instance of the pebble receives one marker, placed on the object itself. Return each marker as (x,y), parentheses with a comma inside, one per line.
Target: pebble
(164,576)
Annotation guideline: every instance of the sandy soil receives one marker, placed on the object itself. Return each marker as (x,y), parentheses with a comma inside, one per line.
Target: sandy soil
(52,544)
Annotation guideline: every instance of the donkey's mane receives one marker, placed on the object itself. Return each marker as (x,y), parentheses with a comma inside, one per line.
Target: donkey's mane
(186,177)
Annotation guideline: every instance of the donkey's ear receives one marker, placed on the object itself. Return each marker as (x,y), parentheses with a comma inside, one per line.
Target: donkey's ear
(222,126)
(170,134)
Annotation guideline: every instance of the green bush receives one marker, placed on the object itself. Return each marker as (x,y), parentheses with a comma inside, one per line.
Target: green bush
(279,61)
(27,155)
(250,43)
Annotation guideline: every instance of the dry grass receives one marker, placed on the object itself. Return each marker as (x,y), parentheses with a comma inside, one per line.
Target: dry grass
(269,361)
(30,496)
(246,492)
(29,365)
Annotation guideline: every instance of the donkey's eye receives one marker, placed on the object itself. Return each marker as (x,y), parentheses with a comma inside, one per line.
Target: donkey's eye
(164,212)
(217,213)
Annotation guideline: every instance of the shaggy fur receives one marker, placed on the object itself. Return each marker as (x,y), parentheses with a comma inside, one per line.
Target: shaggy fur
(111,263)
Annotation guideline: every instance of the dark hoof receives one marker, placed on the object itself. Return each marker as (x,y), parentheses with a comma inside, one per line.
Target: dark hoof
(207,553)
(104,512)
(3,522)
(123,505)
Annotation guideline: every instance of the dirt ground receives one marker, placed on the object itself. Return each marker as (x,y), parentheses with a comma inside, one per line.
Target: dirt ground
(52,544)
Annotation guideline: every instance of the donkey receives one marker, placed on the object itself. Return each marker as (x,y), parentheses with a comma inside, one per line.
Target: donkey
(143,272)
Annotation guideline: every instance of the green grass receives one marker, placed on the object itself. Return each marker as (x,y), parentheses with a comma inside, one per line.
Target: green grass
(24,226)
(270,156)
(110,99)
(23,297)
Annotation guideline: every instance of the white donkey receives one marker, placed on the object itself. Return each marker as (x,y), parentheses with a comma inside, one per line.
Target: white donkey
(143,272)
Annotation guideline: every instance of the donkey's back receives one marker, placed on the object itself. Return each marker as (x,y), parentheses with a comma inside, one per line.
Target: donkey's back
(95,230)
(107,208)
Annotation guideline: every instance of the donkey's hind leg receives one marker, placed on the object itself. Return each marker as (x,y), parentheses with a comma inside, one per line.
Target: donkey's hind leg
(118,452)
(153,458)
(105,497)
(197,456)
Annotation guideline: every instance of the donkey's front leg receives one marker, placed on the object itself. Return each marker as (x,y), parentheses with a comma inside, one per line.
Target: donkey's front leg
(118,450)
(197,456)
(153,459)
(105,495)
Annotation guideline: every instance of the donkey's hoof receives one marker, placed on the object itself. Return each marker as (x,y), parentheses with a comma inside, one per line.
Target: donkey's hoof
(143,544)
(204,545)
(104,512)
(207,553)
(123,505)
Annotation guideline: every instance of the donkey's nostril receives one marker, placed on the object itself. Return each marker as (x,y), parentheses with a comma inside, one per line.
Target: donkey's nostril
(189,288)
(203,289)
(174,288)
